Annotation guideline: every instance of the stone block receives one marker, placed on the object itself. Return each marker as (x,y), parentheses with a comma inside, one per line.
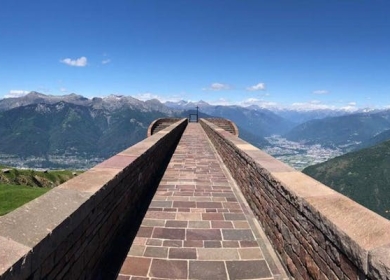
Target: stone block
(379,263)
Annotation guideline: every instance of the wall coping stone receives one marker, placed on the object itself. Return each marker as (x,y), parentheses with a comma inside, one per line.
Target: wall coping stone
(361,234)
(26,234)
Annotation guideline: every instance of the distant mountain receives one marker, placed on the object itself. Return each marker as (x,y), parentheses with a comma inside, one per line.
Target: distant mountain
(261,122)
(344,131)
(301,116)
(377,139)
(36,98)
(364,176)
(66,129)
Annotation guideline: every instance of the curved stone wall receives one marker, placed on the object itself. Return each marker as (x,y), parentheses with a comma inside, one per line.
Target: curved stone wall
(225,124)
(69,231)
(318,233)
(160,124)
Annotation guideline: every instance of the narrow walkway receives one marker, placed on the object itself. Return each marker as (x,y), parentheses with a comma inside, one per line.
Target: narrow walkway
(198,225)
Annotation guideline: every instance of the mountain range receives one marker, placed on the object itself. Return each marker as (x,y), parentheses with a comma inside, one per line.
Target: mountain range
(46,126)
(349,132)
(363,176)
(36,129)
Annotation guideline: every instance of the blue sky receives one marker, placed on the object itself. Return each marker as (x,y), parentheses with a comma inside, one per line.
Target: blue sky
(312,54)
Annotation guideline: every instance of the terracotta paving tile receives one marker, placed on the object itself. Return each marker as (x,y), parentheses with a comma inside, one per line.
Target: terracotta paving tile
(203,234)
(218,254)
(171,269)
(207,270)
(250,253)
(135,266)
(209,204)
(154,242)
(145,231)
(156,252)
(197,198)
(193,243)
(221,224)
(199,224)
(169,233)
(212,244)
(179,198)
(153,223)
(212,216)
(248,243)
(248,269)
(182,253)
(241,224)
(230,244)
(186,204)
(237,234)
(189,216)
(140,240)
(234,217)
(176,224)
(161,204)
(173,243)
(137,250)
(170,209)
(160,215)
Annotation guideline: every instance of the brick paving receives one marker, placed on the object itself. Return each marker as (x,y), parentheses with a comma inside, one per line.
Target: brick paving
(198,226)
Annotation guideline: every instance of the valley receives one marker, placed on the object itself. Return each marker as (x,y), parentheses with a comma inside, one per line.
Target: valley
(299,155)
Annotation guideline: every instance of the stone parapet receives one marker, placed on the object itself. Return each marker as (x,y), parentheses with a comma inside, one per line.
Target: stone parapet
(225,124)
(318,233)
(66,233)
(160,124)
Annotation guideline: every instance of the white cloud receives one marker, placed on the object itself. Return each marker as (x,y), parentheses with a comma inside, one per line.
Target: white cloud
(162,98)
(146,96)
(311,105)
(63,89)
(79,62)
(258,102)
(259,86)
(320,92)
(221,101)
(16,93)
(106,61)
(218,86)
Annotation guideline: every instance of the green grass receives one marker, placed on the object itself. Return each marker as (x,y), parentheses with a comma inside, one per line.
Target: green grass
(14,196)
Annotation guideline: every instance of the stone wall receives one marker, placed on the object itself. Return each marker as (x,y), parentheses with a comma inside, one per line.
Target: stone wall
(318,233)
(69,231)
(160,124)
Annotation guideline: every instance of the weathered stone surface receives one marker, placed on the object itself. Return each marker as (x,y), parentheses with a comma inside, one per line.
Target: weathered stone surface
(91,181)
(34,221)
(379,263)
(352,227)
(10,253)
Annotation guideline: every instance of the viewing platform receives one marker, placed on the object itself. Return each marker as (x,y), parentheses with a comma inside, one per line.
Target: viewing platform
(198,225)
(193,201)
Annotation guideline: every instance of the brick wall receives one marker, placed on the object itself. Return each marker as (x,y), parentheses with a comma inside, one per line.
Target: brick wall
(69,232)
(317,232)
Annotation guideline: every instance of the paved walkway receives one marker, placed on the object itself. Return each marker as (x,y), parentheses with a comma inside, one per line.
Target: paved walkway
(198,225)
